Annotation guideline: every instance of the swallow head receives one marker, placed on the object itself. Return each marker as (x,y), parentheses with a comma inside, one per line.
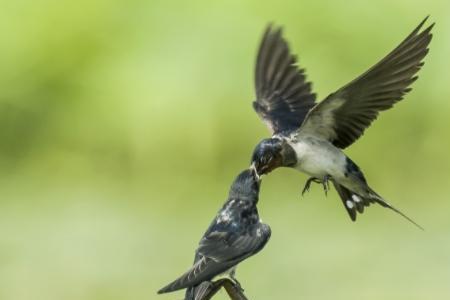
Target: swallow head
(246,185)
(268,155)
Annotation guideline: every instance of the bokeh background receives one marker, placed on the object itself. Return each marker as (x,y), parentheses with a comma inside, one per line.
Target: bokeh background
(123,123)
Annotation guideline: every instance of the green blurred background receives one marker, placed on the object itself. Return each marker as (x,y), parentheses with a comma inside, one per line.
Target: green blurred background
(123,123)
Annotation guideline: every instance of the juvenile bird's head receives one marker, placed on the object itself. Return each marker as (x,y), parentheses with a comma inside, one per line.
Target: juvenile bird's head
(268,155)
(246,186)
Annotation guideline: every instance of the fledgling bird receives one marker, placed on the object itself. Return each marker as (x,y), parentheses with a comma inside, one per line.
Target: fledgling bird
(310,136)
(235,234)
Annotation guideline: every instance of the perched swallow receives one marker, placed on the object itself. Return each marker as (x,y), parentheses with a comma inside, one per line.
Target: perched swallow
(235,234)
(310,136)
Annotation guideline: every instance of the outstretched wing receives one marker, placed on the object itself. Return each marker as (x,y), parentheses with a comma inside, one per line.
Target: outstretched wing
(344,115)
(219,251)
(283,96)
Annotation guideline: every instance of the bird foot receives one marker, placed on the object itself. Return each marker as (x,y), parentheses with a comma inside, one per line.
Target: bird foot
(231,286)
(325,183)
(237,284)
(308,184)
(234,290)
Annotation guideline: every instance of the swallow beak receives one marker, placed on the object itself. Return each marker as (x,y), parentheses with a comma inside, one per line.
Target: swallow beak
(269,164)
(255,169)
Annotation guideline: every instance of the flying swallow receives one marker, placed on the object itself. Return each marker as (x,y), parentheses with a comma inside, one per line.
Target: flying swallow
(235,234)
(310,136)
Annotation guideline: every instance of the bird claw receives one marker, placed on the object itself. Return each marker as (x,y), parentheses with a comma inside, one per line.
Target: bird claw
(325,183)
(237,284)
(231,286)
(308,184)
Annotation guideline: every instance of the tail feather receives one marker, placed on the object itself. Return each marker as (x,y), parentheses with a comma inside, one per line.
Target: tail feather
(198,292)
(189,279)
(383,203)
(355,203)
(352,202)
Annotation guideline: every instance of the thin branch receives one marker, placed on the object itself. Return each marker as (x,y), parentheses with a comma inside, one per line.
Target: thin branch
(233,290)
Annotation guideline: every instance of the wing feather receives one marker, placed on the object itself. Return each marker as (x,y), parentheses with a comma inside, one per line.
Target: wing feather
(227,246)
(344,115)
(283,96)
(218,252)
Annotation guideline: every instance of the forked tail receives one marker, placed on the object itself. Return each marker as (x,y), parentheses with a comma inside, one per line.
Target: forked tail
(355,203)
(383,203)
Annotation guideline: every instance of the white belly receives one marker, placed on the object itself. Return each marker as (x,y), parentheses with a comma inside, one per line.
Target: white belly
(318,158)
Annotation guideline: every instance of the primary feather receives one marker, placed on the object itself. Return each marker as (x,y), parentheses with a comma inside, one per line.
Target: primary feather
(344,115)
(283,96)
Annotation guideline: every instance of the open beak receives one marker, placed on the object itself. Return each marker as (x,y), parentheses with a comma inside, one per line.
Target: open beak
(264,167)
(253,166)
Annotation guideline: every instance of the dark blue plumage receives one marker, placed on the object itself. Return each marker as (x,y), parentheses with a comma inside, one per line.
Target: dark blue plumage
(235,234)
